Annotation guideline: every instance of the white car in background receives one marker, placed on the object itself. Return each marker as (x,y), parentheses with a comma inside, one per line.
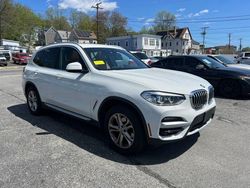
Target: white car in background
(243,58)
(134,104)
(3,60)
(228,62)
(142,56)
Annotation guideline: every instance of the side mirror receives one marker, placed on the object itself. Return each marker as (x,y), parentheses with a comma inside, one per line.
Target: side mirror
(74,67)
(200,67)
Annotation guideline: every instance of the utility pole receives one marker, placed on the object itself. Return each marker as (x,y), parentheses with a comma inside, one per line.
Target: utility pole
(203,33)
(229,41)
(240,44)
(97,7)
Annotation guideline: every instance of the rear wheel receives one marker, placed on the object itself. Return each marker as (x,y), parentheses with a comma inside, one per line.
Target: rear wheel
(33,101)
(230,88)
(124,130)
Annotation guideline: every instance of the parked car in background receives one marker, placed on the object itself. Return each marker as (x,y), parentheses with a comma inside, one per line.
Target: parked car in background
(226,61)
(3,61)
(227,81)
(134,104)
(153,59)
(21,58)
(244,58)
(143,57)
(158,57)
(7,54)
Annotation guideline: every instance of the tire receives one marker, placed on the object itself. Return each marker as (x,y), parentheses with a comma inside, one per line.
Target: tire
(33,101)
(230,88)
(123,125)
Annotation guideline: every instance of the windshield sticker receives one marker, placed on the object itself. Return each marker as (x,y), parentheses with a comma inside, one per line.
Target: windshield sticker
(99,62)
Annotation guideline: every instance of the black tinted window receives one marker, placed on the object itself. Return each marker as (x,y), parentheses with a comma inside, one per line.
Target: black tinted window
(70,55)
(192,62)
(48,58)
(174,63)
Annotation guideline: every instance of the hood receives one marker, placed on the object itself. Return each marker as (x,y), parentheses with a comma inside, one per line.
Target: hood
(236,70)
(160,80)
(241,66)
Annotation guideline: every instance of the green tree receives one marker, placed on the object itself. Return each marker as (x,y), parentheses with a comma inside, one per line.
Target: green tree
(81,21)
(5,17)
(163,21)
(246,49)
(117,24)
(55,18)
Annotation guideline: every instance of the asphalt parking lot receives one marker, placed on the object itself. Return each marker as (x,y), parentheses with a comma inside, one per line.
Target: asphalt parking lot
(55,150)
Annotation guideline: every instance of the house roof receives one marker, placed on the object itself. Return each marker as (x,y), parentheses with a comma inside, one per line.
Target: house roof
(195,42)
(84,34)
(175,33)
(63,34)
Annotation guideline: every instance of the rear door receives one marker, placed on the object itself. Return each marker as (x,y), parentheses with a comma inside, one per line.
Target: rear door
(175,63)
(45,75)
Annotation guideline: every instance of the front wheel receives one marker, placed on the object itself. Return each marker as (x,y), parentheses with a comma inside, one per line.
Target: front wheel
(230,88)
(33,101)
(124,130)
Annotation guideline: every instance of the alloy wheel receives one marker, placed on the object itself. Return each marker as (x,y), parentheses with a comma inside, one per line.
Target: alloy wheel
(121,130)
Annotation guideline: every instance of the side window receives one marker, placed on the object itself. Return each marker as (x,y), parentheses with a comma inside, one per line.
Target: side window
(48,58)
(192,62)
(38,59)
(70,55)
(174,63)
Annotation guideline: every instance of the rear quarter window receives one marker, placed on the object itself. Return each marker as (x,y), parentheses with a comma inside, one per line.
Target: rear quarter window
(48,58)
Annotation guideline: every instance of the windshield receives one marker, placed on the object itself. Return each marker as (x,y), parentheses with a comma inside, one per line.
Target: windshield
(211,63)
(140,55)
(224,59)
(113,59)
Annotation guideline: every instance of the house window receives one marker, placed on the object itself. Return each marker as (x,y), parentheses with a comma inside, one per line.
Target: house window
(177,50)
(135,43)
(145,41)
(118,43)
(152,42)
(177,43)
(126,43)
(114,43)
(110,43)
(162,44)
(157,42)
(170,44)
(183,43)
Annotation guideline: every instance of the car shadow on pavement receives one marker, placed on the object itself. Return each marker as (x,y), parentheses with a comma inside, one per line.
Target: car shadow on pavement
(91,138)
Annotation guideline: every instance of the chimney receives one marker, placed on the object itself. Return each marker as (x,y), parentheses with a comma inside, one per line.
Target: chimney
(174,30)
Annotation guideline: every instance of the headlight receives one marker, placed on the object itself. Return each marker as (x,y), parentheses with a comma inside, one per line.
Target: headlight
(162,98)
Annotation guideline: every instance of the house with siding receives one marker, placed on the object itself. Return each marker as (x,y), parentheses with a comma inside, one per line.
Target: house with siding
(82,37)
(179,41)
(149,44)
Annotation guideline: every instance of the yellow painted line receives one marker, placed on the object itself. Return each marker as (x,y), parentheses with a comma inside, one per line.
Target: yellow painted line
(11,67)
(7,76)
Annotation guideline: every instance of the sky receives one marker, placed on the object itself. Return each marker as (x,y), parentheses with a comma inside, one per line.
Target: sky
(222,17)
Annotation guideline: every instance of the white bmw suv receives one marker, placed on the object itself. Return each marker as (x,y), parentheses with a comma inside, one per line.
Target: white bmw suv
(135,104)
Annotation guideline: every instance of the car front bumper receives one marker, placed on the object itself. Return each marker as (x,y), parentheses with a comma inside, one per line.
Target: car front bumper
(176,122)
